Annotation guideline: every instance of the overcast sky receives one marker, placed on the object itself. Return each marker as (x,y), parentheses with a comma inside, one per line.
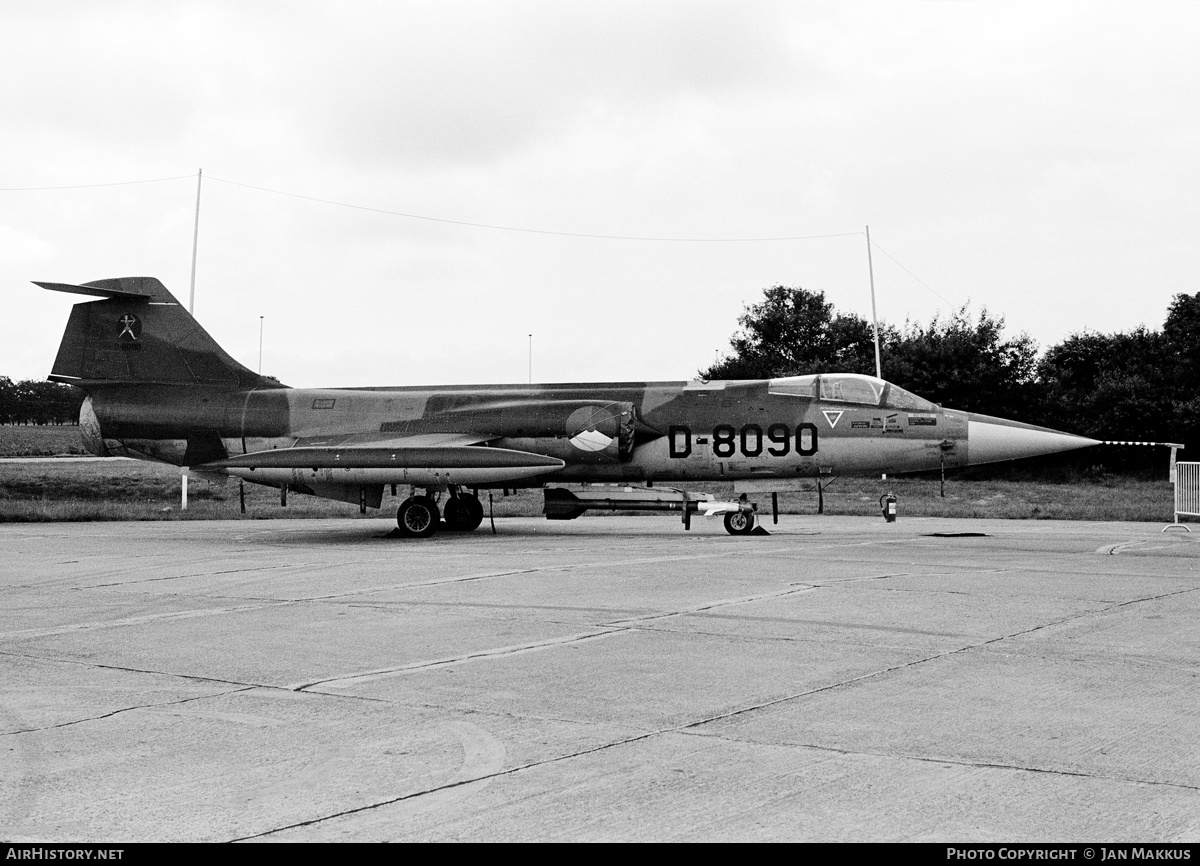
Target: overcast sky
(1037,159)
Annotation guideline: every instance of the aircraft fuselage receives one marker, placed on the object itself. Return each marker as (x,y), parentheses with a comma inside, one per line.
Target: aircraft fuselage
(632,432)
(159,387)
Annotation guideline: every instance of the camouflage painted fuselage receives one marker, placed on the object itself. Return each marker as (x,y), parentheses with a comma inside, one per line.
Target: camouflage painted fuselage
(654,431)
(161,388)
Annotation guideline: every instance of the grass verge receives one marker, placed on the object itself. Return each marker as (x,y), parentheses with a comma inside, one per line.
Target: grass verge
(20,440)
(75,490)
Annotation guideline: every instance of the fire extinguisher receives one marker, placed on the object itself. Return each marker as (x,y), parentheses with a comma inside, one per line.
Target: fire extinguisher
(887,502)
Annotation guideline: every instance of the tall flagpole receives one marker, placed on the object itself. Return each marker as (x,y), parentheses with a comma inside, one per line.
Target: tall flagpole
(874,317)
(195,244)
(183,480)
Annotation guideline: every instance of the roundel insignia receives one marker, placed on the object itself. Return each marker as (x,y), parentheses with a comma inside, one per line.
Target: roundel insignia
(591,440)
(593,428)
(130,327)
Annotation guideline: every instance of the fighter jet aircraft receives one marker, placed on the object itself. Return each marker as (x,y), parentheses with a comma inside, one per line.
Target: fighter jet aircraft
(160,388)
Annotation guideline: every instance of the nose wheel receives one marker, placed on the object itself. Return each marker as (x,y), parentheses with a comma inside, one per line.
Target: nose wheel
(739,523)
(418,517)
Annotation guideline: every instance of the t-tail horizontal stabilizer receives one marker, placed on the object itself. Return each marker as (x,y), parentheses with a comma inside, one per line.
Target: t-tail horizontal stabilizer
(128,288)
(140,334)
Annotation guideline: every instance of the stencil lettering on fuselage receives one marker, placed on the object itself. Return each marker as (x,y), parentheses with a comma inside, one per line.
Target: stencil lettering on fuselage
(749,440)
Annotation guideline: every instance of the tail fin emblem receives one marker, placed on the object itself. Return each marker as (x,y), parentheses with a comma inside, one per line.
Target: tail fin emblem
(131,327)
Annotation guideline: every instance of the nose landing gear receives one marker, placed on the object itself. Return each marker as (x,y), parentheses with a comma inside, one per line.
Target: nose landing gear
(739,522)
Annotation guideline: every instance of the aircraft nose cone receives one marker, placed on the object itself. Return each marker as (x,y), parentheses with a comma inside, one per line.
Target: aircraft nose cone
(992,439)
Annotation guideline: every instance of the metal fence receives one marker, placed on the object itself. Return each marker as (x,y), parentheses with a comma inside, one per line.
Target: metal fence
(1187,490)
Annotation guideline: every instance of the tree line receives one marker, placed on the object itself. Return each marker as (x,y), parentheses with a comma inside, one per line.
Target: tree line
(33,402)
(1135,385)
(1138,385)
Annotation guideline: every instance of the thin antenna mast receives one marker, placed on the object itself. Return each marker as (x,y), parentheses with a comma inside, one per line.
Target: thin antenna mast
(195,244)
(874,317)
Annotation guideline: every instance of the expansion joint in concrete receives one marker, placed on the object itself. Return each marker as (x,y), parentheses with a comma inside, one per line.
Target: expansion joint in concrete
(117,712)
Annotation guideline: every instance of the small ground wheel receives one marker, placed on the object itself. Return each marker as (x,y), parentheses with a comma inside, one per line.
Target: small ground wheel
(739,522)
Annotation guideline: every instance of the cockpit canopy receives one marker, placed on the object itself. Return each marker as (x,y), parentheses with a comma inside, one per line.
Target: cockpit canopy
(850,388)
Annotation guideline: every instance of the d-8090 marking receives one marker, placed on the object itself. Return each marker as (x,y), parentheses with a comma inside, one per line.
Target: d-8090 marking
(727,439)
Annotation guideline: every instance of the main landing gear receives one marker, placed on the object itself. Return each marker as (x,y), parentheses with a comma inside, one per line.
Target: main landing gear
(418,516)
(463,512)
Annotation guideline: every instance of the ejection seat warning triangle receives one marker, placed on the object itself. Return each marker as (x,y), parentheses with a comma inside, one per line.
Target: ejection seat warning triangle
(832,416)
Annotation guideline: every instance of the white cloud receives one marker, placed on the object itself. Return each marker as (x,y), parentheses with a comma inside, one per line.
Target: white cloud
(19,247)
(1036,158)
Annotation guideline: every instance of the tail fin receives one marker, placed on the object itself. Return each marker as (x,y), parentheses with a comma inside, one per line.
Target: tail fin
(140,333)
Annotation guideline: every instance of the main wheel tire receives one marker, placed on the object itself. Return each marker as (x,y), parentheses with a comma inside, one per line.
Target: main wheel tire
(463,513)
(739,523)
(418,517)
